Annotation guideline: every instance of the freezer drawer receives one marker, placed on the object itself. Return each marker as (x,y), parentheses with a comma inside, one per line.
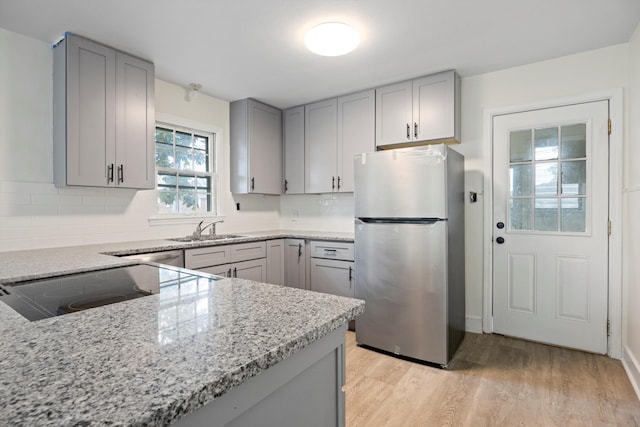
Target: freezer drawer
(402,276)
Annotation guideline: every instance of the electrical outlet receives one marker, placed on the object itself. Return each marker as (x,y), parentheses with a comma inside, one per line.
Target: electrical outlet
(294,215)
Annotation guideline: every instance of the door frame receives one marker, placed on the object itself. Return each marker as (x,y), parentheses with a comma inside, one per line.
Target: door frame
(615,98)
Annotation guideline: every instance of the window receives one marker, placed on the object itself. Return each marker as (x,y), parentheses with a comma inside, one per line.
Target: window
(186,178)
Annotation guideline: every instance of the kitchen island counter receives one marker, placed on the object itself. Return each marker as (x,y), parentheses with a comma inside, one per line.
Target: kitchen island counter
(153,360)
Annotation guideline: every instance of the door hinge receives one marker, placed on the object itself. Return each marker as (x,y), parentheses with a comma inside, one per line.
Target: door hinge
(608,328)
(609,228)
(609,127)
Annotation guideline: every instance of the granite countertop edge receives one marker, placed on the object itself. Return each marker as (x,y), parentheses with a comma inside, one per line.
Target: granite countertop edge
(211,391)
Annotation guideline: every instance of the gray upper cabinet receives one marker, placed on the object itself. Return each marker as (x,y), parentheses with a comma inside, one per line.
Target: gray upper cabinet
(104,116)
(356,133)
(424,109)
(320,143)
(293,121)
(256,148)
(335,131)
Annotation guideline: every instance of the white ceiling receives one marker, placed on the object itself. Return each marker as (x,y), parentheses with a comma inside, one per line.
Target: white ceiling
(254,48)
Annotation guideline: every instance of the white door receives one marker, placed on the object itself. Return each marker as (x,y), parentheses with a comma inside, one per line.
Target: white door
(550,217)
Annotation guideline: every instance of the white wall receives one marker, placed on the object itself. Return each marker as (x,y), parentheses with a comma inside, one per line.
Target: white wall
(35,214)
(631,244)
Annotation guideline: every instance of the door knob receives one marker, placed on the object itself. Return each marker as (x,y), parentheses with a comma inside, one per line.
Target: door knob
(500,225)
(500,240)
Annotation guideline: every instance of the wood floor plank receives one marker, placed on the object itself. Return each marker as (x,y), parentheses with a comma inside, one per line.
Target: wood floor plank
(492,381)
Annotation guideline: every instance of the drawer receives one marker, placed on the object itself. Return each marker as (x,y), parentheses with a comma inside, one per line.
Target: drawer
(247,251)
(207,257)
(331,250)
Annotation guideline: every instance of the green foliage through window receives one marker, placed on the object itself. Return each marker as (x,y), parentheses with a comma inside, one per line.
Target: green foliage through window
(184,170)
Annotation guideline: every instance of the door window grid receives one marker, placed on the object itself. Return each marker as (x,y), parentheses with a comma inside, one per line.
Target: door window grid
(185,170)
(548,179)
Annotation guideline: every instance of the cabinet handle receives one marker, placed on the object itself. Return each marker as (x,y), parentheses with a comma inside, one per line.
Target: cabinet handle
(253,183)
(229,272)
(299,251)
(333,182)
(286,185)
(415,129)
(235,272)
(338,183)
(110,173)
(350,275)
(408,131)
(120,174)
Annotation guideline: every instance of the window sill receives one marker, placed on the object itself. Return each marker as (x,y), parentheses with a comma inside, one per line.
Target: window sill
(176,219)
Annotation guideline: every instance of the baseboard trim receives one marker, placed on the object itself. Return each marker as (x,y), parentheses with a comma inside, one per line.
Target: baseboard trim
(632,367)
(473,324)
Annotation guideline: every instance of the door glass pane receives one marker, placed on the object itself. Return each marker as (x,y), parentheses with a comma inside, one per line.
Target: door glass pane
(546,143)
(546,179)
(546,214)
(574,178)
(574,141)
(520,214)
(520,180)
(520,146)
(574,216)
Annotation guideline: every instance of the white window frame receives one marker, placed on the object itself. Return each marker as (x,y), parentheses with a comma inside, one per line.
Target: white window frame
(217,168)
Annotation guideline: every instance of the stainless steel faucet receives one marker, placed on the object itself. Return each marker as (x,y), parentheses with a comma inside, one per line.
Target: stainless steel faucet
(212,231)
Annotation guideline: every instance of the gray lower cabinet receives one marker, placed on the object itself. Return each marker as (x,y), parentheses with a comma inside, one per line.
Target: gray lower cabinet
(275,261)
(255,270)
(332,277)
(256,147)
(332,268)
(306,389)
(295,263)
(103,116)
(243,260)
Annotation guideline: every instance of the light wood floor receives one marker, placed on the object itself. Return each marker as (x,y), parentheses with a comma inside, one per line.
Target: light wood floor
(492,381)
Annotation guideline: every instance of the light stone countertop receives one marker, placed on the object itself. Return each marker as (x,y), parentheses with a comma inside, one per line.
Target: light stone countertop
(122,364)
(40,263)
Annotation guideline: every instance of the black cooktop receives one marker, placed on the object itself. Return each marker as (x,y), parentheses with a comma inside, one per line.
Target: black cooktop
(42,298)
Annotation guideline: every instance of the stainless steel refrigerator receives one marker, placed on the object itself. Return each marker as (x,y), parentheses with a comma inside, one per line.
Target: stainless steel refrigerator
(409,251)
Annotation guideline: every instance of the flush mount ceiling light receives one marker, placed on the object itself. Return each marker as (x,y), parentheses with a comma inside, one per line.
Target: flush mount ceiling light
(332,39)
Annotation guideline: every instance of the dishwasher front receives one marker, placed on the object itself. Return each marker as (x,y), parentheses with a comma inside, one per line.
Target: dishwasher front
(173,257)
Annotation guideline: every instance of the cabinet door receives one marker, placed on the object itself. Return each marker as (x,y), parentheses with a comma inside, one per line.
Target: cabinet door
(218,270)
(332,277)
(206,257)
(294,264)
(434,107)
(394,114)
(294,150)
(265,148)
(356,133)
(275,261)
(256,147)
(247,251)
(90,112)
(320,143)
(135,123)
(255,270)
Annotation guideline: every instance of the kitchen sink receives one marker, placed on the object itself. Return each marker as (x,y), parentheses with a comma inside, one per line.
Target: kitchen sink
(208,237)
